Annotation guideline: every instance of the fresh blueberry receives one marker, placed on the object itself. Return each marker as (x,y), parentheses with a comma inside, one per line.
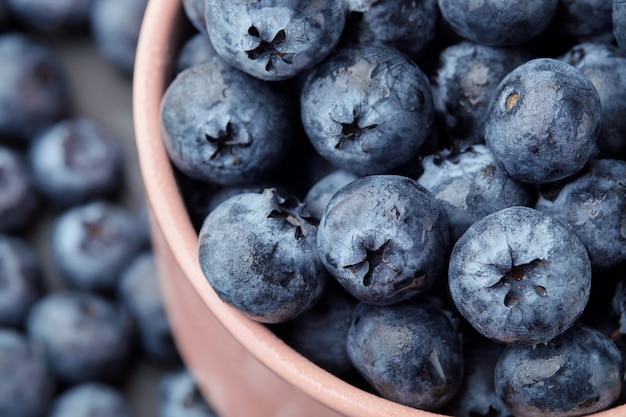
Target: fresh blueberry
(179,396)
(195,12)
(91,399)
(83,336)
(196,50)
(605,66)
(411,353)
(385,238)
(543,121)
(34,90)
(28,387)
(274,40)
(321,192)
(465,80)
(585,20)
(580,372)
(469,184)
(224,126)
(20,280)
(51,17)
(139,292)
(498,23)
(520,277)
(92,243)
(75,161)
(18,196)
(618,17)
(593,206)
(367,109)
(259,253)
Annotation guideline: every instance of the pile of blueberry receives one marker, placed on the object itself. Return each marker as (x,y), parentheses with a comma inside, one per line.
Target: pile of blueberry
(427,199)
(80,305)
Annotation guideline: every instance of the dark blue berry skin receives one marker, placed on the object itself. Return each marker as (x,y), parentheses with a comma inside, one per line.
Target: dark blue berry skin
(224,126)
(409,26)
(18,197)
(196,50)
(618,17)
(92,243)
(411,353)
(178,396)
(20,280)
(585,20)
(28,387)
(520,277)
(195,12)
(51,17)
(83,336)
(469,184)
(367,109)
(139,292)
(618,304)
(34,90)
(385,238)
(91,399)
(593,206)
(543,121)
(75,161)
(274,40)
(322,191)
(465,80)
(577,373)
(115,26)
(498,23)
(605,66)
(259,253)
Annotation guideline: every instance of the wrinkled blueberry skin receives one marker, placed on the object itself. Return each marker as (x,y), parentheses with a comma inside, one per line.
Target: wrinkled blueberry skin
(75,161)
(28,387)
(224,126)
(50,17)
(577,373)
(178,396)
(593,206)
(20,279)
(411,353)
(322,191)
(406,25)
(277,39)
(18,197)
(520,277)
(465,80)
(34,90)
(367,109)
(385,238)
(585,20)
(83,336)
(91,399)
(259,253)
(605,66)
(543,121)
(498,23)
(196,50)
(92,243)
(469,184)
(618,17)
(195,12)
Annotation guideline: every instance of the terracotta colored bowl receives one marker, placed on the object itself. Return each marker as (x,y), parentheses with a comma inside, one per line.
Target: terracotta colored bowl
(242,368)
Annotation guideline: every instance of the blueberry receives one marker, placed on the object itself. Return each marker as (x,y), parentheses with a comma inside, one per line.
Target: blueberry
(410,353)
(465,80)
(618,18)
(18,196)
(322,191)
(20,280)
(579,372)
(469,184)
(196,50)
(28,387)
(498,23)
(83,336)
(91,399)
(195,10)
(179,396)
(224,126)
(586,20)
(139,292)
(258,251)
(92,243)
(605,66)
(593,206)
(274,40)
(367,109)
(520,277)
(75,161)
(34,90)
(50,17)
(385,238)
(543,121)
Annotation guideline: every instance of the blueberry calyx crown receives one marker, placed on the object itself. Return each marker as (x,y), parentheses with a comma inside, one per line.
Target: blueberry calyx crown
(352,130)
(225,141)
(269,48)
(515,280)
(294,212)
